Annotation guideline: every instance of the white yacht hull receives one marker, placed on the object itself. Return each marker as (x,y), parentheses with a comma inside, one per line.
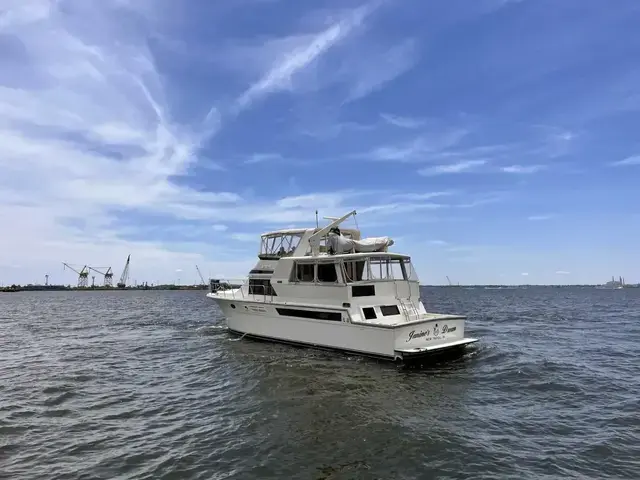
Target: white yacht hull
(437,335)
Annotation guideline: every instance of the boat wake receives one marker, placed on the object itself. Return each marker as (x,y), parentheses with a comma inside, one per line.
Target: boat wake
(210,329)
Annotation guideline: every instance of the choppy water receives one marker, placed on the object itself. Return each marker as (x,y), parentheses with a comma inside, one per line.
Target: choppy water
(149,385)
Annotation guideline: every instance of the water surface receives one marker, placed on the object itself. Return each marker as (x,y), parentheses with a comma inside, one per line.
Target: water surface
(149,385)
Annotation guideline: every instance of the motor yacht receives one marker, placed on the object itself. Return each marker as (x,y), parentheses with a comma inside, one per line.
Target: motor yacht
(326,287)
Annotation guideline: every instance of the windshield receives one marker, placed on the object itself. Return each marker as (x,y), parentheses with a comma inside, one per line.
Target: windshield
(280,245)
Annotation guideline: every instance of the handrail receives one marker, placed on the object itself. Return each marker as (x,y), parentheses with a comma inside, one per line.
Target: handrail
(241,291)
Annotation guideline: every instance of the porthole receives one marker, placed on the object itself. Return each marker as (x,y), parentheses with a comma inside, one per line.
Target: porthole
(233,306)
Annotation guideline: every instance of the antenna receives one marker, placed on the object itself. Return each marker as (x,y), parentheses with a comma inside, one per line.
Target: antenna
(317,225)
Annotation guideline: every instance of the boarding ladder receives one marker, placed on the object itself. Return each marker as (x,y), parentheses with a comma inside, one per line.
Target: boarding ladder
(407,306)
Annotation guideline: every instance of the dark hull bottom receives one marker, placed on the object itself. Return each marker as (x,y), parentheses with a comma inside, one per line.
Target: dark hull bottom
(434,356)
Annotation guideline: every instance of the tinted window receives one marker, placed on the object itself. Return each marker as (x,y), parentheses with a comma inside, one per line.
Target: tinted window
(327,272)
(315,314)
(363,291)
(304,272)
(389,310)
(369,313)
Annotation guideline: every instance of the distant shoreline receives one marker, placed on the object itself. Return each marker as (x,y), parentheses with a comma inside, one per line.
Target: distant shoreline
(66,288)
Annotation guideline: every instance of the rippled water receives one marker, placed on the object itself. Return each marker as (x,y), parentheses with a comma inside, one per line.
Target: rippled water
(149,385)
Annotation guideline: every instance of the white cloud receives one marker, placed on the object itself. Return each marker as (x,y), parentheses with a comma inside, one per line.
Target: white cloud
(523,169)
(525,274)
(459,167)
(633,160)
(437,242)
(562,272)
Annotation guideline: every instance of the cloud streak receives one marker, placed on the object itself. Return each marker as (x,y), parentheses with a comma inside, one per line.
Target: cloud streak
(523,169)
(281,73)
(629,161)
(452,168)
(540,218)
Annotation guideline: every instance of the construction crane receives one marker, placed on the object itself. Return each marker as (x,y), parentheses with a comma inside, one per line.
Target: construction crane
(83,274)
(201,277)
(106,272)
(125,274)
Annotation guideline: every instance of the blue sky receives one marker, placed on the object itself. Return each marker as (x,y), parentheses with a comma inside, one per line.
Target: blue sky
(495,140)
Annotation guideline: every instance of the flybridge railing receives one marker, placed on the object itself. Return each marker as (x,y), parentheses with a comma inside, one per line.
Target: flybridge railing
(241,289)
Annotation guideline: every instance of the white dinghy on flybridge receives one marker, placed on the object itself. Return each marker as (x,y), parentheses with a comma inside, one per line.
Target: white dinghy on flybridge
(327,288)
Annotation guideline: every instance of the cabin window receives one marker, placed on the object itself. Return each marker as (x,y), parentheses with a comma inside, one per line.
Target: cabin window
(279,245)
(327,273)
(369,313)
(304,272)
(387,310)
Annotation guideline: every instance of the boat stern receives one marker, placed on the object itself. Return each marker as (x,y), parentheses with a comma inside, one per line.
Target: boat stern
(424,338)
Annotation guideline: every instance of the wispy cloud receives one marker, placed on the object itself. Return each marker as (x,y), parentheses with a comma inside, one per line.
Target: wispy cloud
(422,148)
(245,237)
(540,218)
(423,196)
(403,122)
(303,54)
(563,272)
(634,160)
(523,169)
(263,157)
(373,72)
(460,167)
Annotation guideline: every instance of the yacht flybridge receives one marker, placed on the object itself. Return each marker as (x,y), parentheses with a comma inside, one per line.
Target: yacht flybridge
(325,287)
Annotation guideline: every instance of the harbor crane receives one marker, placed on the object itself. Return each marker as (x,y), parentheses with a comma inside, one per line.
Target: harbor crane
(125,274)
(106,272)
(201,277)
(83,275)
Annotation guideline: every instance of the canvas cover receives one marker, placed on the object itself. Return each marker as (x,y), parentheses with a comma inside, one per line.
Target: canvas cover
(339,244)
